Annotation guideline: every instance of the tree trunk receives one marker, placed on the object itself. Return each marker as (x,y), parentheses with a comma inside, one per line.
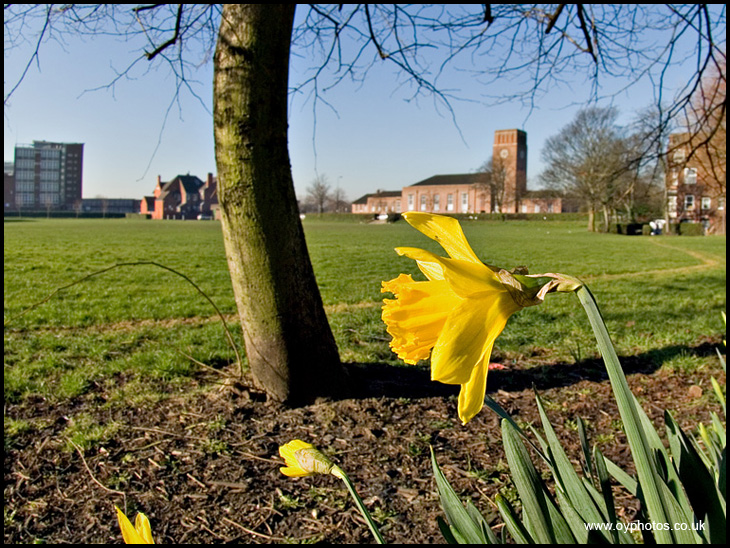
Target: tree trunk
(289,345)
(591,218)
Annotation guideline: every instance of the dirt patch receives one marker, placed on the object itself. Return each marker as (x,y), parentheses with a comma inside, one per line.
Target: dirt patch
(204,465)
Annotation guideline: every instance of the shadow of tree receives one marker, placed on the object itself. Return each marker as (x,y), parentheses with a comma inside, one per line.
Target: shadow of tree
(381,380)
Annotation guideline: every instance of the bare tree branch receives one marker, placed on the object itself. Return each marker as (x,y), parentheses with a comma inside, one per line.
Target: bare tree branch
(554,18)
(162,47)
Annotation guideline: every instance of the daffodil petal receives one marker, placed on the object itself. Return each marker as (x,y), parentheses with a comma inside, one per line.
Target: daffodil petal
(460,345)
(471,395)
(288,453)
(446,231)
(428,263)
(416,317)
(143,527)
(466,278)
(468,335)
(295,472)
(129,533)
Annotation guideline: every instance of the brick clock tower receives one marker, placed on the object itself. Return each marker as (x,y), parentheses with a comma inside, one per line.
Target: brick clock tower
(510,153)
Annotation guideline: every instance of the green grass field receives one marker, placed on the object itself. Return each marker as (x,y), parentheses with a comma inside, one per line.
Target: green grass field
(127,332)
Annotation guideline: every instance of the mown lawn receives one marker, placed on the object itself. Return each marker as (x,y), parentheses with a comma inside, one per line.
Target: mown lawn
(659,295)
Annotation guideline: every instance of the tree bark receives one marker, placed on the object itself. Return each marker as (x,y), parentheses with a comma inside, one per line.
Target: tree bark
(289,345)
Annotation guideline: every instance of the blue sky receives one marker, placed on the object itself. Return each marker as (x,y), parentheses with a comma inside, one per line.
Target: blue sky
(374,139)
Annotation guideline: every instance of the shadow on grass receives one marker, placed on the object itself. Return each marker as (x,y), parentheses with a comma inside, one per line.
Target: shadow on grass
(380,380)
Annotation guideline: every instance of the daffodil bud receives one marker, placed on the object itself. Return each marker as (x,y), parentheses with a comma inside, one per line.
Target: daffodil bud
(303,459)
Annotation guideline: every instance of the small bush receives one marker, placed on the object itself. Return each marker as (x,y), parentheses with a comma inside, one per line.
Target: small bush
(691,229)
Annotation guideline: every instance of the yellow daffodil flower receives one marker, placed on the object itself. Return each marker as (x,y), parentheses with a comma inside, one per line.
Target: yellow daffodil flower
(304,459)
(458,313)
(140,533)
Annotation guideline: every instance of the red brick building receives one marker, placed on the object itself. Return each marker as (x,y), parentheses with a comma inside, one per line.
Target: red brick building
(462,193)
(383,201)
(693,193)
(184,197)
(504,191)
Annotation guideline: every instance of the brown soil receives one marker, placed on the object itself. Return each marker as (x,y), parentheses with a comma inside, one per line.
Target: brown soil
(204,465)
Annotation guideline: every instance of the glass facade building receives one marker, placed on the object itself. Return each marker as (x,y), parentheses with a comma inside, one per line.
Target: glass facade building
(48,176)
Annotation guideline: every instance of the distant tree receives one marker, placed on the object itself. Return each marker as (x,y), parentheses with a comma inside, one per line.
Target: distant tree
(587,159)
(47,201)
(319,193)
(339,202)
(492,183)
(640,189)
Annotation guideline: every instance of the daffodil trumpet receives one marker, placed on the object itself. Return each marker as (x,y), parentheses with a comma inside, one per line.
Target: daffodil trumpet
(304,459)
(455,316)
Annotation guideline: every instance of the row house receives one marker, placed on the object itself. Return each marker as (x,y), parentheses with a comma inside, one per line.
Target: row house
(693,192)
(184,197)
(461,193)
(382,201)
(468,193)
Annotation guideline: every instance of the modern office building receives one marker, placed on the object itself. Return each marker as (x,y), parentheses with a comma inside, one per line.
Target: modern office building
(47,176)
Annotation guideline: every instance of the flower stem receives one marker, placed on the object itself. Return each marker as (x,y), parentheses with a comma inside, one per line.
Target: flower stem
(337,471)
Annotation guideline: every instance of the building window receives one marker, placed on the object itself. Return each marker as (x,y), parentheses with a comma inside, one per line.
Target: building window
(689,202)
(47,199)
(51,153)
(423,202)
(50,175)
(537,208)
(550,207)
(721,203)
(523,208)
(23,198)
(410,202)
(690,176)
(49,187)
(397,206)
(706,202)
(464,202)
(678,155)
(449,202)
(24,175)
